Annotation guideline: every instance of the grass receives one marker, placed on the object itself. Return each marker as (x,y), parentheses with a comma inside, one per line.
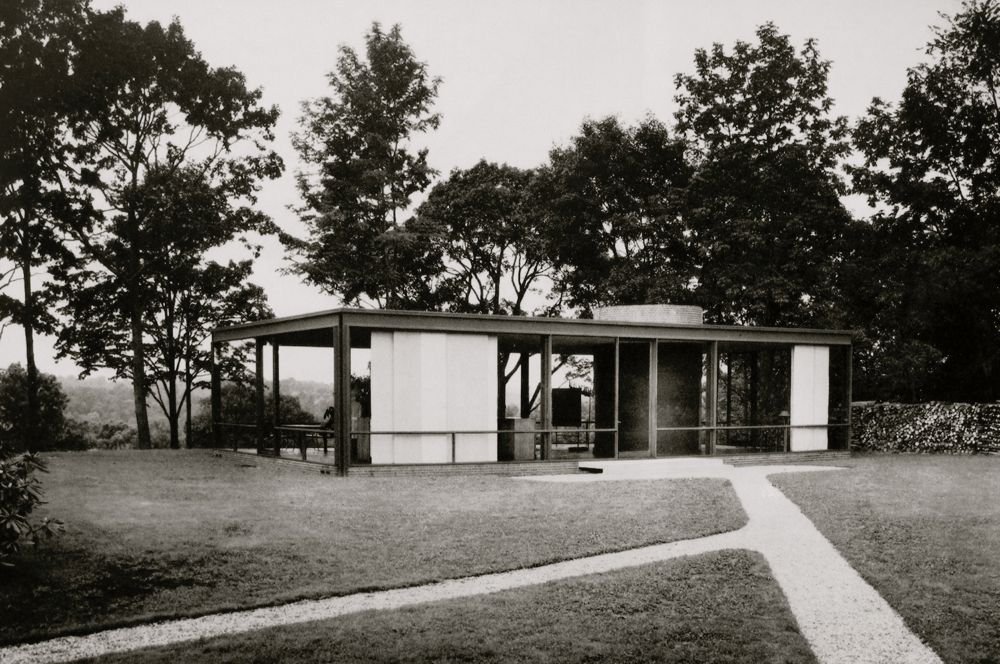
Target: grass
(683,610)
(161,534)
(925,532)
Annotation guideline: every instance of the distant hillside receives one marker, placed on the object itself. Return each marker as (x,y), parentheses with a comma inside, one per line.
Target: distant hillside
(102,401)
(314,397)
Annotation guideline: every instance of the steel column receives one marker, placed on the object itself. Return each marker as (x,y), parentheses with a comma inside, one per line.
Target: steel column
(259,391)
(712,395)
(276,396)
(654,370)
(342,392)
(216,399)
(546,395)
(617,422)
(729,393)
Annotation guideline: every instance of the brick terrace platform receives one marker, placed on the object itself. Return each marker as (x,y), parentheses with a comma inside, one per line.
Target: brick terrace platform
(325,467)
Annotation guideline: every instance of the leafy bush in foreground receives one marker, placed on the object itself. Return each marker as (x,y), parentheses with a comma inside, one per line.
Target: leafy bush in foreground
(20,493)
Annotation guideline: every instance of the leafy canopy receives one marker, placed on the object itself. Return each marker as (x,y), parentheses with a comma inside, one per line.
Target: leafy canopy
(764,204)
(362,172)
(38,102)
(485,222)
(176,153)
(931,171)
(613,214)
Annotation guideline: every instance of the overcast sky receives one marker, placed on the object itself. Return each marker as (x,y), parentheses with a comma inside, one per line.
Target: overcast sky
(518,77)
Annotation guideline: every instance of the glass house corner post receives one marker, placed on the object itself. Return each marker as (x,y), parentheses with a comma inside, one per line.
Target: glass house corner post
(276,397)
(712,396)
(216,397)
(546,395)
(617,393)
(259,392)
(342,395)
(654,370)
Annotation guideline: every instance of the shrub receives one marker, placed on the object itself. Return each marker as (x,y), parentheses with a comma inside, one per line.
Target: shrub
(83,435)
(114,435)
(20,493)
(75,436)
(14,410)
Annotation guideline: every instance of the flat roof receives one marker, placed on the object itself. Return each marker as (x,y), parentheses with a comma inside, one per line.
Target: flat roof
(308,329)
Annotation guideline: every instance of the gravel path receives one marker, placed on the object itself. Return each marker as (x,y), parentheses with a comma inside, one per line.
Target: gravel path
(174,631)
(841,616)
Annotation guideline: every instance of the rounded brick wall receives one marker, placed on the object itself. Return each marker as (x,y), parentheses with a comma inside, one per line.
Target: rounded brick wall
(679,314)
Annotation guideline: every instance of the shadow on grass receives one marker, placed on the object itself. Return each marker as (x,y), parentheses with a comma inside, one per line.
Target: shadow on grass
(717,607)
(159,535)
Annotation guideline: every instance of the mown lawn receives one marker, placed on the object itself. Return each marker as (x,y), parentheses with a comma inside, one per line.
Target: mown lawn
(925,532)
(684,610)
(161,534)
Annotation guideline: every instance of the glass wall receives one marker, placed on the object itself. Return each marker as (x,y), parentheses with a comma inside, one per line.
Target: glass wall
(754,390)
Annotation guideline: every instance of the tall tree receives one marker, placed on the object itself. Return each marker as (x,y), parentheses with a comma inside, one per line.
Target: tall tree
(485,221)
(211,296)
(37,39)
(362,172)
(931,168)
(178,322)
(765,202)
(184,215)
(164,109)
(613,214)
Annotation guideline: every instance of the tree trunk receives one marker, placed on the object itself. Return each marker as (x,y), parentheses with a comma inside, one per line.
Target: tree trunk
(187,399)
(173,412)
(497,276)
(31,423)
(139,378)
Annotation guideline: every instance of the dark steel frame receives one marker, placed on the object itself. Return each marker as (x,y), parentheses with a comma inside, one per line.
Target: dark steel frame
(339,324)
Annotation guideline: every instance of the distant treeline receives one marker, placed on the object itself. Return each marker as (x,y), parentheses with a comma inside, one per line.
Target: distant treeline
(98,400)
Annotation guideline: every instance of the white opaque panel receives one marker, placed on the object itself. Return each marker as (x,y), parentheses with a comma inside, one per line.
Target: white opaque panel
(472,395)
(432,381)
(810,397)
(382,388)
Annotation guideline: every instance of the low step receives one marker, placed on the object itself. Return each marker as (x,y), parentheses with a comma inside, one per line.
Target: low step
(786,458)
(639,468)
